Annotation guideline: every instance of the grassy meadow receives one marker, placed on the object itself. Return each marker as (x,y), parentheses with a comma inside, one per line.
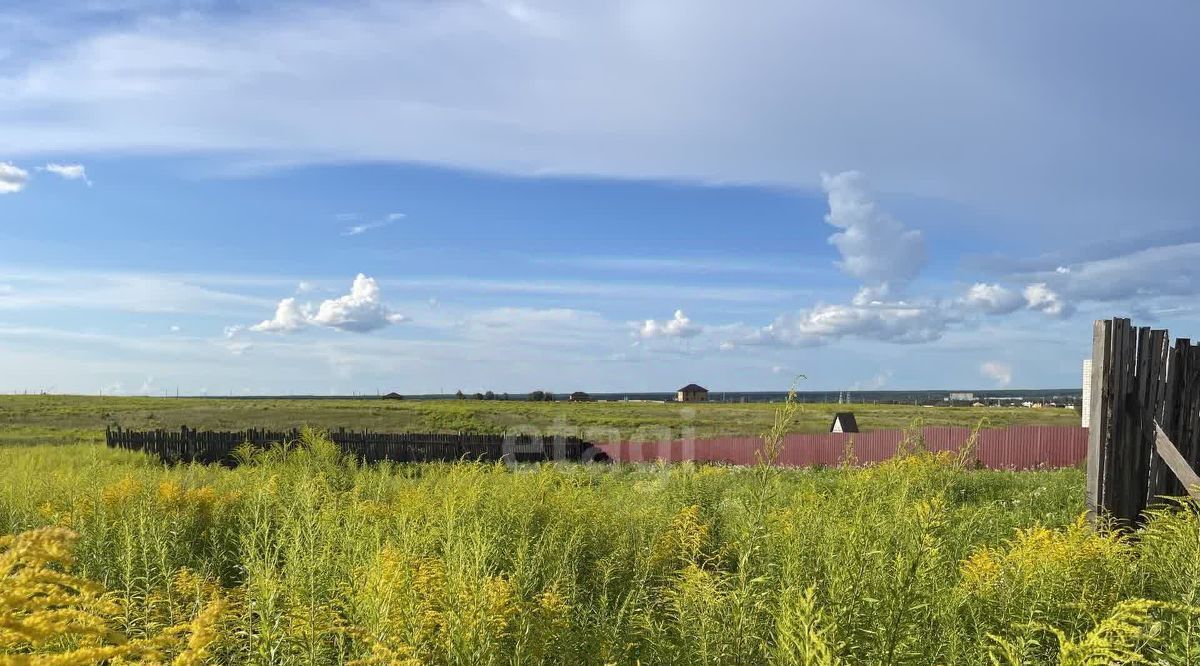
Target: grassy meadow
(303,557)
(67,419)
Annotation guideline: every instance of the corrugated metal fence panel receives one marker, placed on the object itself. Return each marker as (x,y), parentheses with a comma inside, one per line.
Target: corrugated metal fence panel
(1016,447)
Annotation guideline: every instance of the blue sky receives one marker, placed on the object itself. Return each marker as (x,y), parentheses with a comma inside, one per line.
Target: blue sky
(229,197)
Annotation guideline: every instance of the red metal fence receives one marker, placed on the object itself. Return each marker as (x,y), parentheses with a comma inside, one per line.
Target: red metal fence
(1017,447)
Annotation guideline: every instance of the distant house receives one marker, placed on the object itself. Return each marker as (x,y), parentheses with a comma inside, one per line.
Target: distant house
(393,396)
(844,422)
(961,397)
(579,396)
(692,393)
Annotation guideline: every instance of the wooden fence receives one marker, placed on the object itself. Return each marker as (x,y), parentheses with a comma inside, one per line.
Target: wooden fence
(1145,419)
(206,446)
(1019,447)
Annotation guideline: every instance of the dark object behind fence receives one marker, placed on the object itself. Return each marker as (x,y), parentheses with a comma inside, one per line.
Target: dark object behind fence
(1141,383)
(206,446)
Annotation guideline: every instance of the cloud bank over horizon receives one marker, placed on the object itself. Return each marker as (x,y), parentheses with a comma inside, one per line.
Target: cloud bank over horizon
(1038,103)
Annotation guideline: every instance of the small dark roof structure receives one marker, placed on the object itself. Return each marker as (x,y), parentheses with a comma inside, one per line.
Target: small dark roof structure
(579,396)
(844,422)
(693,388)
(393,396)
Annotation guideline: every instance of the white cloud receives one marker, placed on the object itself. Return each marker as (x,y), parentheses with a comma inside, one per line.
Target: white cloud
(68,172)
(357,229)
(12,178)
(890,322)
(679,326)
(1162,270)
(289,318)
(1001,373)
(879,251)
(175,328)
(360,311)
(1042,298)
(875,248)
(992,299)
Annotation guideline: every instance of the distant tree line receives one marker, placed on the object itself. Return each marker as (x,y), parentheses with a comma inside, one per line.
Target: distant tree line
(536,396)
(490,395)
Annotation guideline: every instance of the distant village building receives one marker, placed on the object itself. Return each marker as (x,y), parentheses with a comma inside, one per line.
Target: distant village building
(579,396)
(692,393)
(962,397)
(393,396)
(844,422)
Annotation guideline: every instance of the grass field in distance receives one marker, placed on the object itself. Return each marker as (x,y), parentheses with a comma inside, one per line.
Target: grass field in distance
(61,419)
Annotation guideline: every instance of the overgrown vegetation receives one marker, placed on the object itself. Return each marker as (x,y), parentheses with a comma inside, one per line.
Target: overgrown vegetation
(300,556)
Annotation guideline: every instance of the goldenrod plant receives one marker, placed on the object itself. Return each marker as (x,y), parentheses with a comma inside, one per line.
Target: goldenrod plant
(302,556)
(49,616)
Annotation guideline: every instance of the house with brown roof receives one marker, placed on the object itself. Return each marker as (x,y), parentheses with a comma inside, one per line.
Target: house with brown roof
(692,393)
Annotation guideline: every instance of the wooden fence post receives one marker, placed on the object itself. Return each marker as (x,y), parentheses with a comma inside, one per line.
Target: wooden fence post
(1098,419)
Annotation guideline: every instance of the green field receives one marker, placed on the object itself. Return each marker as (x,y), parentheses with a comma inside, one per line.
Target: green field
(303,558)
(64,419)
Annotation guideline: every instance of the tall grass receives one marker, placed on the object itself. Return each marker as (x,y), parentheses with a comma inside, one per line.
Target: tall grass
(315,560)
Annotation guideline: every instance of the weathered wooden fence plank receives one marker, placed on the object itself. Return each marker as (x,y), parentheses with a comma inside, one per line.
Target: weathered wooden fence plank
(1177,463)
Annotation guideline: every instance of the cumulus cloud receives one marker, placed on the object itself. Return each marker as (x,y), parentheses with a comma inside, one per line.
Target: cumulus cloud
(289,318)
(12,178)
(68,172)
(875,247)
(1042,298)
(1001,373)
(882,253)
(679,326)
(890,322)
(360,311)
(992,299)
